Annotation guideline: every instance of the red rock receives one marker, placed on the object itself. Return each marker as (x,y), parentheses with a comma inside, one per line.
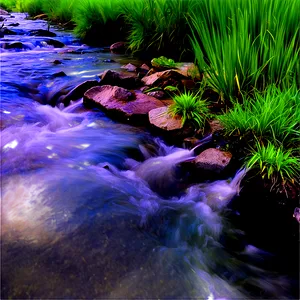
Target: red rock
(121,101)
(118,47)
(160,118)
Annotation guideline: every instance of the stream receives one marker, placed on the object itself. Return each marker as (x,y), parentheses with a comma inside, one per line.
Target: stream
(80,214)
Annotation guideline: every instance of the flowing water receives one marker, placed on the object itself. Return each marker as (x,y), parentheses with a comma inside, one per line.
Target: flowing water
(83,209)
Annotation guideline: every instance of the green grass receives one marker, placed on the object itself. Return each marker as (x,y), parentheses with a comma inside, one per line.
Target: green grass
(159,26)
(191,108)
(274,163)
(99,20)
(273,118)
(59,10)
(32,7)
(247,45)
(8,5)
(271,115)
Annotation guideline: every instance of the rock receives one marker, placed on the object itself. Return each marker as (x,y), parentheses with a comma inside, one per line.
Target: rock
(57,62)
(163,77)
(118,47)
(144,67)
(14,24)
(296,214)
(143,89)
(6,31)
(129,67)
(2,19)
(40,17)
(108,60)
(15,45)
(215,126)
(189,70)
(213,160)
(41,32)
(55,43)
(160,118)
(78,91)
(188,84)
(157,94)
(4,12)
(121,79)
(59,74)
(121,102)
(190,142)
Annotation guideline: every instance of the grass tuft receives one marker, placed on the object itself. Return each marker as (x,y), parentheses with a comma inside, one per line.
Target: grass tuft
(274,163)
(191,108)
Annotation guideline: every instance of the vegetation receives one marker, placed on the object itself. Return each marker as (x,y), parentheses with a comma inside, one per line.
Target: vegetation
(274,163)
(163,62)
(99,20)
(247,45)
(271,115)
(273,118)
(191,108)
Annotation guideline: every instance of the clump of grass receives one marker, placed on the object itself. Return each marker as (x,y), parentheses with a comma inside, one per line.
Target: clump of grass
(8,5)
(32,7)
(191,108)
(273,115)
(159,26)
(274,163)
(99,20)
(59,10)
(272,119)
(247,45)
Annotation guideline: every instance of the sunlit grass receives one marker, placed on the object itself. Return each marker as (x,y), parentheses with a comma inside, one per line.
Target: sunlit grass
(274,163)
(191,108)
(8,4)
(273,115)
(247,45)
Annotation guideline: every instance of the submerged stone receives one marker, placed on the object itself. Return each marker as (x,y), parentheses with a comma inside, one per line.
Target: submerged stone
(55,43)
(78,91)
(41,32)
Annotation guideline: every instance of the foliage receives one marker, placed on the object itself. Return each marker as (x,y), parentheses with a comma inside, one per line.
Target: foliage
(274,163)
(247,45)
(98,20)
(191,108)
(163,62)
(159,26)
(273,115)
(59,10)
(33,7)
(8,4)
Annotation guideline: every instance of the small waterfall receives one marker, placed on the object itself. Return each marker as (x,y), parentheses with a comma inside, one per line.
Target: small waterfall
(161,172)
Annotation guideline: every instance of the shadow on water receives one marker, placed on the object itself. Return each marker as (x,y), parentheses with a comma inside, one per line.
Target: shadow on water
(83,212)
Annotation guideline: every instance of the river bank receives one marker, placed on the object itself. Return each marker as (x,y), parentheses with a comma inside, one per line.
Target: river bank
(74,175)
